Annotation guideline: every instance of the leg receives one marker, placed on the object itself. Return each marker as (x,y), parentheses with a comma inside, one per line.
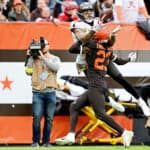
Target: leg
(114,73)
(50,105)
(97,100)
(37,109)
(117,76)
(75,108)
(76,81)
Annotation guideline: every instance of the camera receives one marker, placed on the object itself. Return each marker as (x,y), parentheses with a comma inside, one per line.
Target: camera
(35,46)
(34,49)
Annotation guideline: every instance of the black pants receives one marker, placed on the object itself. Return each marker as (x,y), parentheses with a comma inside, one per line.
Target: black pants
(115,74)
(96,98)
(145,92)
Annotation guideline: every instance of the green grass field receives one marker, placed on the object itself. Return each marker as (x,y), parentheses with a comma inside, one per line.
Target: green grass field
(97,147)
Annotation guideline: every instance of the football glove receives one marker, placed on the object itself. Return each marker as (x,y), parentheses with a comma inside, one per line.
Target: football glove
(97,25)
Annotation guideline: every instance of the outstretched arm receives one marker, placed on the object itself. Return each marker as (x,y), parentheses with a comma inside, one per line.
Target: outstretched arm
(121,61)
(75,48)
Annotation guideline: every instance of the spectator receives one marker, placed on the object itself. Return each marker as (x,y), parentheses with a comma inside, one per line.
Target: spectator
(19,12)
(130,11)
(46,16)
(59,6)
(37,11)
(69,12)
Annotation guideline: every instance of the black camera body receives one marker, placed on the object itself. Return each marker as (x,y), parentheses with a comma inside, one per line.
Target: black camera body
(35,46)
(34,49)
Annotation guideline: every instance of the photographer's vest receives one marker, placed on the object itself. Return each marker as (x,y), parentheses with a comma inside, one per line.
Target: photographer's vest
(48,82)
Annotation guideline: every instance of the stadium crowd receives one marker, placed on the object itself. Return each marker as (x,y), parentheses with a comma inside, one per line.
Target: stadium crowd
(66,10)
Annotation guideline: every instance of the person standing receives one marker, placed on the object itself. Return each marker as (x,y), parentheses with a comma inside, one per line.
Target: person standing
(43,67)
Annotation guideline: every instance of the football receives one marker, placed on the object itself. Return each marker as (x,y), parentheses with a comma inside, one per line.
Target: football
(106,15)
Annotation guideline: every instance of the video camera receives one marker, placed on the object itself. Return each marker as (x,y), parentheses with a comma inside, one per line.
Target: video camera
(35,46)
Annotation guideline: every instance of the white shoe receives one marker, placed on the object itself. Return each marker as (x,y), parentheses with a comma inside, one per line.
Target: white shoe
(127,138)
(116,105)
(69,139)
(144,107)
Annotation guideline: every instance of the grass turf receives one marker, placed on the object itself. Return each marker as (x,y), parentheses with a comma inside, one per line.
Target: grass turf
(97,147)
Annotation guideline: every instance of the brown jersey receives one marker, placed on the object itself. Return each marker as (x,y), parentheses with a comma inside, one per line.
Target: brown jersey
(97,60)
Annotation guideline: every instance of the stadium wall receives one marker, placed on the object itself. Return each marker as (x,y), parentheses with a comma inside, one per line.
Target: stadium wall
(15,86)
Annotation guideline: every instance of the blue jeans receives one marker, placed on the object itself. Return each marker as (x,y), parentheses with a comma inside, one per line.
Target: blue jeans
(43,104)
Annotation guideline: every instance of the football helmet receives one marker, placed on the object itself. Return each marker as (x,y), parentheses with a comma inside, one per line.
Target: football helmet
(86,12)
(102,36)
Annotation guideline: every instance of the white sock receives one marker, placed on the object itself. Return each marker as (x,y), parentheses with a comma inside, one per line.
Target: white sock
(71,134)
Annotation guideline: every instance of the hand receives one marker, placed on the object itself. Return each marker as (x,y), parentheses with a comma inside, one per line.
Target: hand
(81,63)
(56,21)
(28,53)
(73,12)
(97,25)
(41,55)
(117,29)
(132,56)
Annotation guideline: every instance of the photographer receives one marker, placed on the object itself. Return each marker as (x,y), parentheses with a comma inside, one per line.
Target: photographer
(43,67)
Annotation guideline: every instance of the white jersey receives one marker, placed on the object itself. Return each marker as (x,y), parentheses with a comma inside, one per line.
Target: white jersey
(130,10)
(80,25)
(80,59)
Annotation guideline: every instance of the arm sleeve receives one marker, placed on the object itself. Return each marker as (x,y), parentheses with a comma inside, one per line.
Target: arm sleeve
(121,61)
(53,64)
(111,40)
(30,62)
(29,66)
(75,48)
